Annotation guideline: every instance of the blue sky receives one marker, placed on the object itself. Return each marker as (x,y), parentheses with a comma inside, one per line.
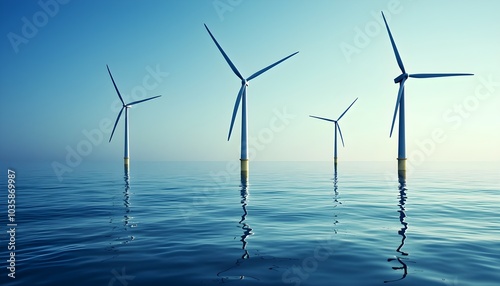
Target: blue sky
(55,87)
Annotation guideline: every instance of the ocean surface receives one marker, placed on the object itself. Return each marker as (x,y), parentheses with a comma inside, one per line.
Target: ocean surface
(293,223)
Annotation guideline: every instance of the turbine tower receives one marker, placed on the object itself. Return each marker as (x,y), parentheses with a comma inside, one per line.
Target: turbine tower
(242,98)
(336,126)
(126,156)
(401,79)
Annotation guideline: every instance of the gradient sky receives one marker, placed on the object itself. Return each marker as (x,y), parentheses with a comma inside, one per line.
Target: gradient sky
(54,83)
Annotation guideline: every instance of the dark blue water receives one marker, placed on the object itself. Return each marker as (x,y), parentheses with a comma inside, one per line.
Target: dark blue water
(294,224)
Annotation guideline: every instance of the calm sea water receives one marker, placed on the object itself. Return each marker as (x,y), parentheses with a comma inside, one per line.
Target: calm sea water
(293,224)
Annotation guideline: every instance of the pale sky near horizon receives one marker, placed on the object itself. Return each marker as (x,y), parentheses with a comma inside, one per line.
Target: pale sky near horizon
(55,88)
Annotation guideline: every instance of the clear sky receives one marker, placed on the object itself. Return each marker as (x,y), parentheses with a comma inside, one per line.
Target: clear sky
(55,88)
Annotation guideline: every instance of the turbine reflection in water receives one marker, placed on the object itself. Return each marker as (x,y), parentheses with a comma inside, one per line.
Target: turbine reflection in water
(122,237)
(401,257)
(336,201)
(126,203)
(247,230)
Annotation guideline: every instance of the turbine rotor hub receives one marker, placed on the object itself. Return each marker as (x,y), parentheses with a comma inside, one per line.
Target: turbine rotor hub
(401,77)
(244,82)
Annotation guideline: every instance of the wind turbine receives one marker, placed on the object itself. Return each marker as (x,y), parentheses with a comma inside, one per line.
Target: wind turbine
(126,107)
(401,79)
(337,126)
(242,98)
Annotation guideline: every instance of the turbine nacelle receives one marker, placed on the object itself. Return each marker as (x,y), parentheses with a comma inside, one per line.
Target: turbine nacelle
(401,77)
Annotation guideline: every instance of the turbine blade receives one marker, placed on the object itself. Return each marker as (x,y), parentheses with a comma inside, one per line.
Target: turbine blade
(331,120)
(398,57)
(269,67)
(235,110)
(340,132)
(116,122)
(235,70)
(347,109)
(400,94)
(139,101)
(117,91)
(428,75)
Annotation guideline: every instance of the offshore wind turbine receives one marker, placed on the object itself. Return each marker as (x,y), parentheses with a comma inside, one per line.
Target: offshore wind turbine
(336,126)
(242,98)
(401,79)
(125,106)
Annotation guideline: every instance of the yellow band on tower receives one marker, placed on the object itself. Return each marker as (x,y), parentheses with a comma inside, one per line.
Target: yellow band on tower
(402,168)
(401,164)
(244,170)
(244,165)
